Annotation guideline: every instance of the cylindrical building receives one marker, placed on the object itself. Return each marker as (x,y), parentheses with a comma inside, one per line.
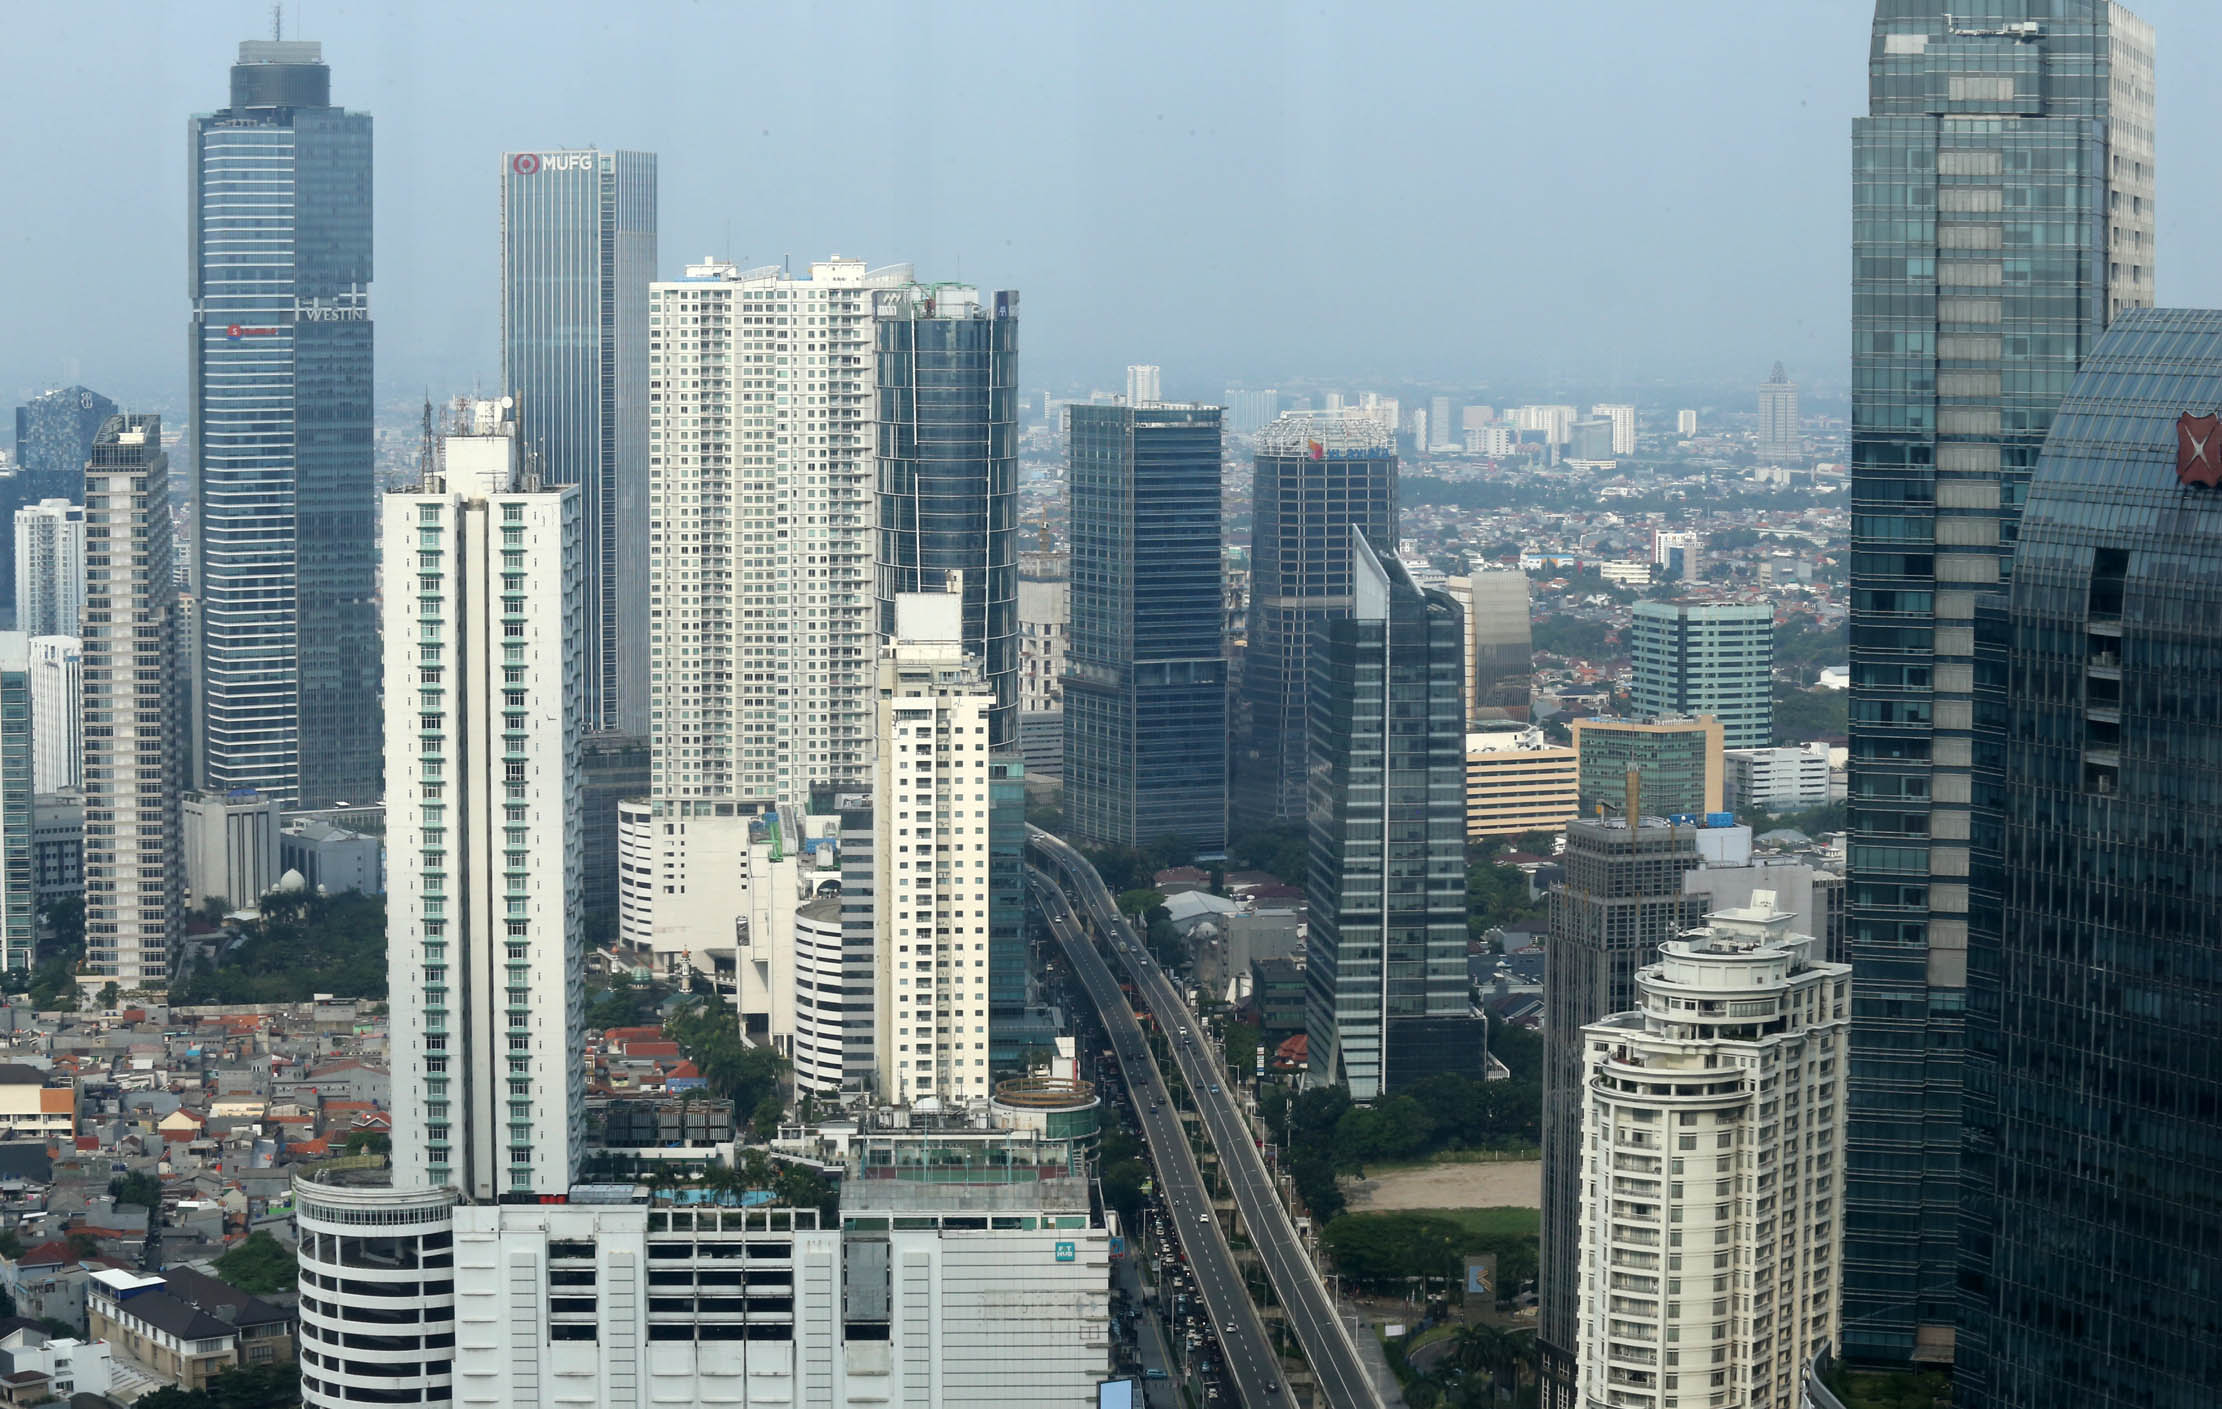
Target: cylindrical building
(377,1291)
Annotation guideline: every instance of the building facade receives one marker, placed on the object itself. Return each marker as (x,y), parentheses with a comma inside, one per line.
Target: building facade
(1713,658)
(134,864)
(1386,882)
(1516,783)
(1500,644)
(1145,383)
(1623,418)
(279,267)
(18,864)
(231,847)
(1778,437)
(54,438)
(1788,779)
(1732,1066)
(483,938)
(1146,674)
(615,767)
(1677,761)
(578,251)
(946,414)
(1045,632)
(1972,310)
(57,846)
(57,712)
(50,567)
(1319,475)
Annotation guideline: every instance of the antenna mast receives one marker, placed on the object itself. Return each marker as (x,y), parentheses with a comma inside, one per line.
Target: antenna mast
(277,20)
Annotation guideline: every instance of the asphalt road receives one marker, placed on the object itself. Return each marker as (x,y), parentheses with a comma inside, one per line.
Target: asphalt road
(1310,1311)
(1180,1186)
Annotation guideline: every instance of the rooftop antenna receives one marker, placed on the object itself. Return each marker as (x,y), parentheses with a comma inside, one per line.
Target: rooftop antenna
(277,20)
(430,449)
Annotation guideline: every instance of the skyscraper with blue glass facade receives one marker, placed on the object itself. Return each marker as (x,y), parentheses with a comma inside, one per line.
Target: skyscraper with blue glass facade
(278,267)
(2002,214)
(578,252)
(1145,666)
(2091,1247)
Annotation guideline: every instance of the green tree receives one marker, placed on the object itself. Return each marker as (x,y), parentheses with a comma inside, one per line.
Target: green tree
(137,1187)
(301,945)
(260,1265)
(249,1387)
(1803,715)
(1134,904)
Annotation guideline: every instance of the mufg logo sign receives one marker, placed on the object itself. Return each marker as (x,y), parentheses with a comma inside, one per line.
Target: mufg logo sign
(533,163)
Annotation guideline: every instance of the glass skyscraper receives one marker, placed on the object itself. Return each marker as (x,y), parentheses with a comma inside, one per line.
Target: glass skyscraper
(947,413)
(279,265)
(54,438)
(1320,474)
(2002,213)
(1713,658)
(578,252)
(2091,1250)
(1145,684)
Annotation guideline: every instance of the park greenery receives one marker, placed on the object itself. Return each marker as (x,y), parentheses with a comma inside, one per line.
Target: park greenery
(300,946)
(137,1187)
(1476,1367)
(259,1266)
(249,1387)
(1124,1171)
(1803,647)
(1426,1250)
(1803,715)
(752,1078)
(51,984)
(1570,637)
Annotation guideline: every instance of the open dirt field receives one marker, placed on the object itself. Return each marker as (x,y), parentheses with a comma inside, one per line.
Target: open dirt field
(1511,1184)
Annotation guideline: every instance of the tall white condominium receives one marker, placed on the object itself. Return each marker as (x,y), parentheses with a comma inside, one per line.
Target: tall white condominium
(760,548)
(486,664)
(18,873)
(1778,418)
(49,567)
(1145,383)
(1713,1170)
(1685,422)
(57,713)
(134,856)
(930,824)
(1623,420)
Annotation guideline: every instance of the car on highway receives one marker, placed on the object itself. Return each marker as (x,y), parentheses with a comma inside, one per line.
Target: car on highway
(1214,1088)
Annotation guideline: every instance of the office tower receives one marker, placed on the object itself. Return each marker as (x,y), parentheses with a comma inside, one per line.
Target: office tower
(1620,899)
(57,713)
(1320,474)
(1678,761)
(1623,420)
(279,387)
(1677,555)
(482,813)
(1249,412)
(133,712)
(1589,443)
(930,845)
(612,768)
(760,468)
(231,847)
(1712,658)
(1144,384)
(57,846)
(947,411)
(1517,783)
(18,877)
(1732,1067)
(1685,423)
(1444,425)
(2090,1250)
(1937,482)
(1146,673)
(1785,779)
(1500,652)
(50,567)
(1386,886)
(54,438)
(578,251)
(1778,437)
(1045,633)
(1012,1025)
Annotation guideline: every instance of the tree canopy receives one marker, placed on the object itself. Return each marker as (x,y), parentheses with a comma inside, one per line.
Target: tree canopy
(301,946)
(259,1266)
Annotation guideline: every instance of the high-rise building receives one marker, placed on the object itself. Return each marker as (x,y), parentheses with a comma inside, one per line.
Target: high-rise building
(1778,437)
(1732,1066)
(2034,107)
(1249,412)
(1500,643)
(1555,422)
(483,934)
(1784,779)
(578,251)
(760,464)
(1712,658)
(1677,760)
(1144,384)
(279,386)
(1623,418)
(1517,783)
(18,875)
(231,846)
(1678,554)
(134,868)
(1685,423)
(54,438)
(947,420)
(1320,474)
(1442,422)
(50,567)
(1386,979)
(930,846)
(614,768)
(1589,443)
(1146,672)
(57,713)
(2090,1248)
(1621,898)
(1045,633)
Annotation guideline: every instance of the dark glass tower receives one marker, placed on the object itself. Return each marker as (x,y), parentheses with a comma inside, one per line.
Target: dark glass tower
(54,438)
(1320,474)
(278,263)
(578,253)
(2002,213)
(948,468)
(1385,982)
(2092,1245)
(1145,668)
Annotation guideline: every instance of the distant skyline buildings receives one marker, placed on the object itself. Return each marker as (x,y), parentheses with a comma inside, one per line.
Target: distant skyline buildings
(1779,436)
(1144,383)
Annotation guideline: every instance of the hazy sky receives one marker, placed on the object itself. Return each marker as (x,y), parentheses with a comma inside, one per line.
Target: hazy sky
(1593,193)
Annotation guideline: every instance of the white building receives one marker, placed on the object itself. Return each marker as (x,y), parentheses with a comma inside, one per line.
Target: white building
(1712,1171)
(1625,574)
(1623,420)
(1685,423)
(57,713)
(231,845)
(930,848)
(1557,422)
(1045,630)
(485,664)
(1786,779)
(56,1366)
(1493,441)
(762,495)
(49,568)
(1145,383)
(819,1051)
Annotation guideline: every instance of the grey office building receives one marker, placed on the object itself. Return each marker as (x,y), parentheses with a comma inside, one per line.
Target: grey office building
(1145,683)
(1717,658)
(1320,474)
(578,250)
(279,265)
(946,407)
(1778,437)
(2002,215)
(1386,981)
